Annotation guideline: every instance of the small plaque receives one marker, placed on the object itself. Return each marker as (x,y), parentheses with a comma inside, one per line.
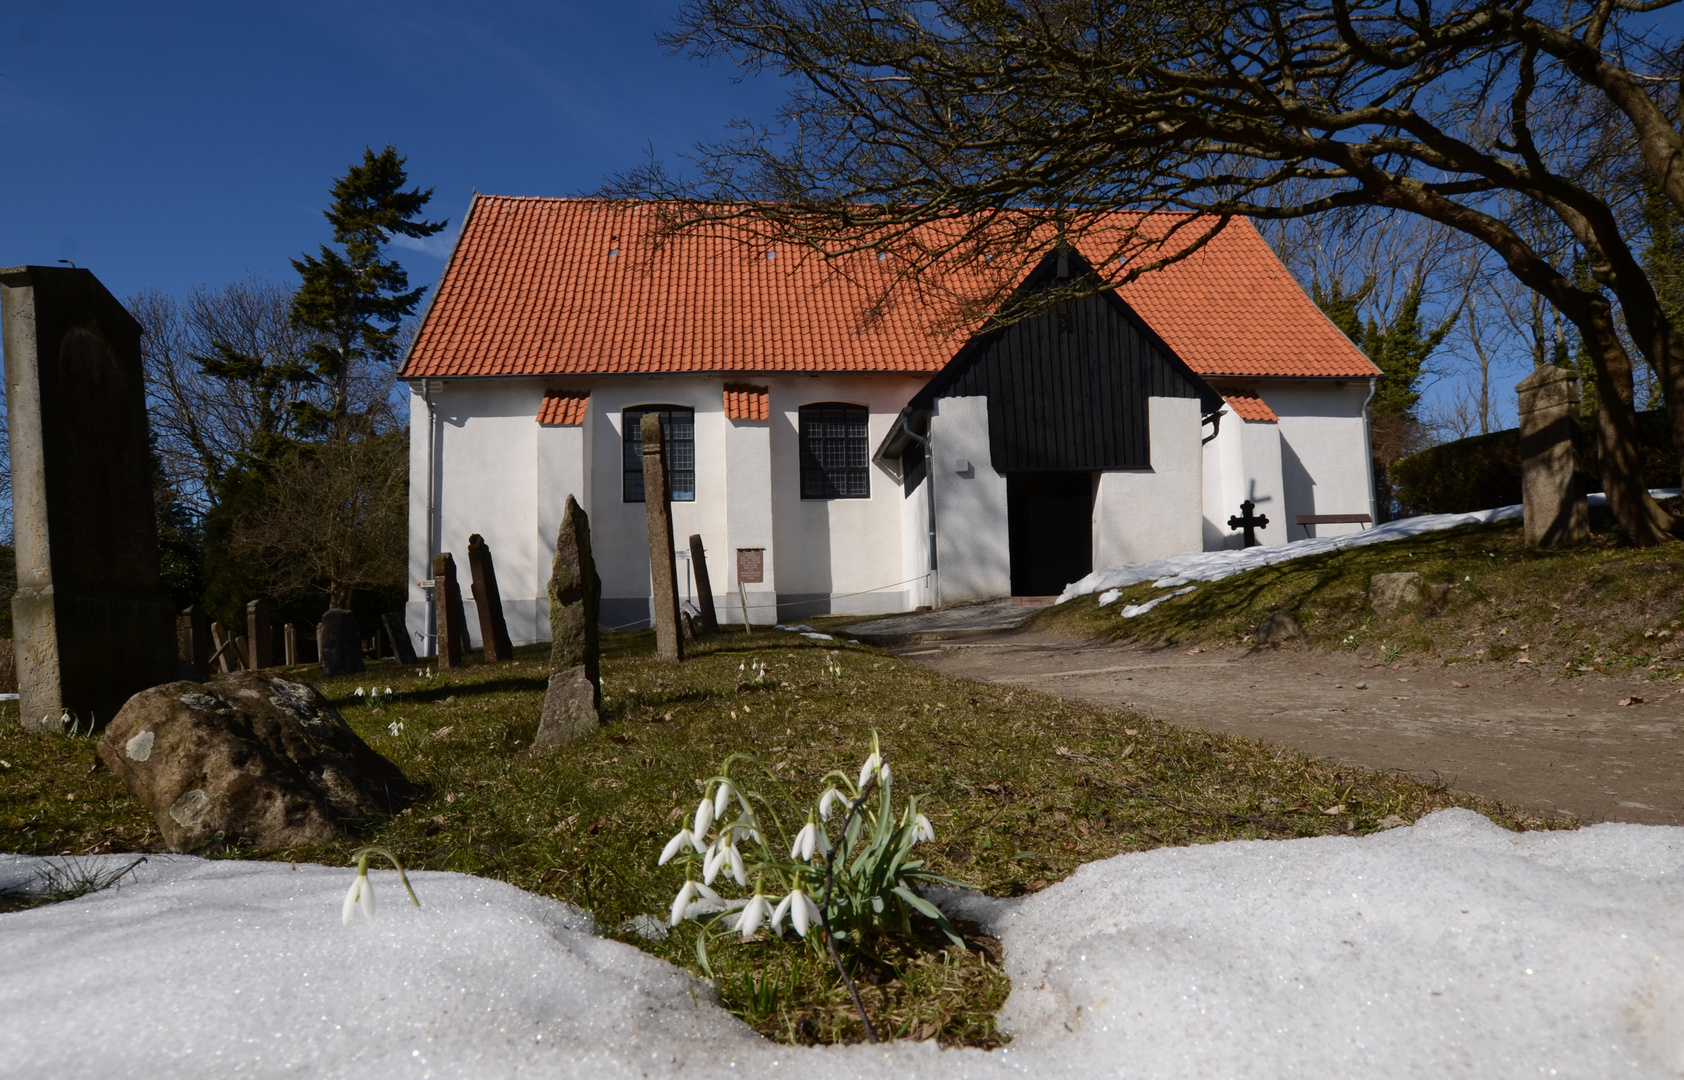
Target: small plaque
(751,565)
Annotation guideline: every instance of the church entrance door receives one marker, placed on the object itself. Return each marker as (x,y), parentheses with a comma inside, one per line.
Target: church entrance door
(1050,520)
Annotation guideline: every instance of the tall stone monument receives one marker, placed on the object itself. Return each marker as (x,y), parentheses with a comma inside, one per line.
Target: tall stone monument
(260,634)
(574,696)
(91,623)
(663,568)
(192,638)
(452,617)
(1556,512)
(704,585)
(488,602)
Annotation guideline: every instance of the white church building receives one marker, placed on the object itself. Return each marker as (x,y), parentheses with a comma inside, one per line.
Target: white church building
(839,456)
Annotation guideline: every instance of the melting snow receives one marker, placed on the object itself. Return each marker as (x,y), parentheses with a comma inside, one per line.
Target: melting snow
(1450,948)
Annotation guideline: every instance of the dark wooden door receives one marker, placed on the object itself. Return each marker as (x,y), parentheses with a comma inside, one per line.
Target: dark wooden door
(1050,519)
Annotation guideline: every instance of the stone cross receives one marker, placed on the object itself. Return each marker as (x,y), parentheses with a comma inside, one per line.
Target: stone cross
(339,643)
(704,587)
(452,617)
(488,602)
(396,629)
(574,697)
(1557,514)
(260,634)
(663,569)
(92,624)
(192,637)
(1249,522)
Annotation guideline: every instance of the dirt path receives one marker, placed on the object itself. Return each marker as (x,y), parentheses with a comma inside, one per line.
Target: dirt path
(1510,733)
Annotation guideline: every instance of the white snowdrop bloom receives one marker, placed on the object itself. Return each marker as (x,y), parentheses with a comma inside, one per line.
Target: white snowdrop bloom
(388,691)
(713,863)
(359,691)
(721,798)
(681,903)
(778,913)
(358,897)
(704,818)
(922,829)
(736,862)
(883,776)
(830,798)
(810,842)
(395,727)
(753,915)
(803,913)
(872,764)
(684,839)
(350,906)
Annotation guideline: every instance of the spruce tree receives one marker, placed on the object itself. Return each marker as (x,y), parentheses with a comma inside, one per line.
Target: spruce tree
(357,298)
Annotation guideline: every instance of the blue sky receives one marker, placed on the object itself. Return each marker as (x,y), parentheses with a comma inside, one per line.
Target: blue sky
(167,145)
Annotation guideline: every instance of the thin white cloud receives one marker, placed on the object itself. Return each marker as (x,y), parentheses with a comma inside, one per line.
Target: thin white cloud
(437,246)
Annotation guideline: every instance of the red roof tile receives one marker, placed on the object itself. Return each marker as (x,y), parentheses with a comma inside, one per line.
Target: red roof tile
(744,402)
(1248,405)
(563,408)
(540,286)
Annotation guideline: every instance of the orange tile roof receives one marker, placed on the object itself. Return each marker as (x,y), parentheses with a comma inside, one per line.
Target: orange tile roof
(563,408)
(1249,405)
(543,286)
(744,402)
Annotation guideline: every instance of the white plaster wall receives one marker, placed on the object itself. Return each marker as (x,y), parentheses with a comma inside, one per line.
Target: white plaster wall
(1325,463)
(915,544)
(1141,515)
(973,549)
(1244,462)
(420,523)
(748,510)
(563,469)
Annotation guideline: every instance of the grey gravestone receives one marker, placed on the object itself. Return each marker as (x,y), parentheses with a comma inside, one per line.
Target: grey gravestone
(340,642)
(1557,514)
(290,637)
(663,569)
(260,634)
(452,619)
(92,626)
(574,697)
(1391,593)
(488,602)
(222,649)
(398,631)
(192,639)
(704,585)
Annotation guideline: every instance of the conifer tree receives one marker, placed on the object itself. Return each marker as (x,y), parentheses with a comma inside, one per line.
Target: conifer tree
(357,298)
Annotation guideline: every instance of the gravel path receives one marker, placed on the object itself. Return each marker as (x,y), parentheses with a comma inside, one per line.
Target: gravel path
(1525,737)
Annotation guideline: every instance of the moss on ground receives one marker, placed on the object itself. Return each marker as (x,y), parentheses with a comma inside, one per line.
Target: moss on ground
(1022,788)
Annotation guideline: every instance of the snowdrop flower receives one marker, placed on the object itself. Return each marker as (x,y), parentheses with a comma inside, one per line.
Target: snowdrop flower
(735,859)
(712,862)
(870,768)
(360,897)
(753,915)
(883,774)
(704,818)
(359,691)
(388,691)
(395,727)
(721,798)
(922,829)
(802,912)
(811,841)
(827,800)
(685,838)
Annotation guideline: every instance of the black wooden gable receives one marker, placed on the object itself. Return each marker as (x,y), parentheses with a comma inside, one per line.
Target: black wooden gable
(1067,389)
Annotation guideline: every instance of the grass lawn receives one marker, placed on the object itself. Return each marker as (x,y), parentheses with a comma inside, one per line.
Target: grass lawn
(1021,787)
(1602,607)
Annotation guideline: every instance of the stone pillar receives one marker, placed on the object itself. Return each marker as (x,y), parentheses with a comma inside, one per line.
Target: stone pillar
(192,639)
(290,634)
(488,602)
(663,573)
(340,643)
(398,631)
(1556,512)
(92,624)
(574,696)
(704,585)
(260,634)
(447,601)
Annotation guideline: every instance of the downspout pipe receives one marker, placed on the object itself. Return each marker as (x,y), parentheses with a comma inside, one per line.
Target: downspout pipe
(433,539)
(929,498)
(1368,449)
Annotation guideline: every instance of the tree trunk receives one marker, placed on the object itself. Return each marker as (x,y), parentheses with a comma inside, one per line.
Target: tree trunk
(1619,462)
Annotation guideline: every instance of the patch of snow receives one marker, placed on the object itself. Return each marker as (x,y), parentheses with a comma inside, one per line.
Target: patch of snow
(1109,597)
(1449,948)
(816,636)
(1216,565)
(1132,610)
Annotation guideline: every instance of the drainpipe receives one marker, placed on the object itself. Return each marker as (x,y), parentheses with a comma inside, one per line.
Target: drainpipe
(929,500)
(1368,449)
(430,631)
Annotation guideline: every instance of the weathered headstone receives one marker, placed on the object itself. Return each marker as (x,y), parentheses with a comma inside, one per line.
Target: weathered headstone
(223,656)
(251,758)
(574,696)
(704,585)
(452,619)
(92,626)
(1557,514)
(398,631)
(242,648)
(663,569)
(340,643)
(1391,593)
(290,636)
(192,640)
(260,634)
(488,602)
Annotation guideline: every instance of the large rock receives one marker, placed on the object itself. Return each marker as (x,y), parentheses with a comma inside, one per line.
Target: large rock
(249,758)
(1391,593)
(574,696)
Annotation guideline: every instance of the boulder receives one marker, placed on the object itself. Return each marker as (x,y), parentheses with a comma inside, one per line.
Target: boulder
(249,758)
(1391,593)
(1275,629)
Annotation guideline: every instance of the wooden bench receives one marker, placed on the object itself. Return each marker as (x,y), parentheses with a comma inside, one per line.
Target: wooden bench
(1307,520)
